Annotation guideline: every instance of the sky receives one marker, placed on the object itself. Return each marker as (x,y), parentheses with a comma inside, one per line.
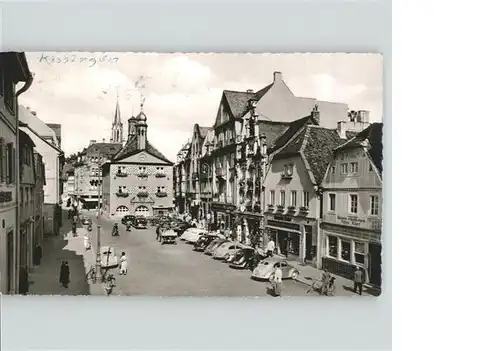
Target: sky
(79,90)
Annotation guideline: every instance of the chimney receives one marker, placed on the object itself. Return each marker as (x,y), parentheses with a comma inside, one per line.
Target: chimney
(363,116)
(92,142)
(249,90)
(315,114)
(341,129)
(278,76)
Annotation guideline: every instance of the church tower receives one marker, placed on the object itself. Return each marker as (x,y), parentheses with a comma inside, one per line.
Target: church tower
(117,126)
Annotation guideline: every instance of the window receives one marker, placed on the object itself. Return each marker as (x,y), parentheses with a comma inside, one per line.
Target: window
(10,163)
(354,167)
(332,168)
(353,203)
(370,167)
(345,250)
(122,189)
(121,169)
(343,168)
(142,188)
(332,198)
(305,199)
(374,205)
(359,252)
(3,160)
(160,189)
(293,198)
(142,169)
(272,196)
(333,246)
(282,198)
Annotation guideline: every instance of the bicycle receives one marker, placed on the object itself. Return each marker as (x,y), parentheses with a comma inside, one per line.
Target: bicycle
(92,274)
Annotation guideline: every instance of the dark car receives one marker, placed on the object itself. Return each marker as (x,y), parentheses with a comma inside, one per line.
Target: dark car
(204,241)
(246,258)
(128,218)
(181,227)
(141,223)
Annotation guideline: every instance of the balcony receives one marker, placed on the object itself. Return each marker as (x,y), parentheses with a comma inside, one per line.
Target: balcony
(121,174)
(291,208)
(280,207)
(142,175)
(122,194)
(161,194)
(304,210)
(160,175)
(142,194)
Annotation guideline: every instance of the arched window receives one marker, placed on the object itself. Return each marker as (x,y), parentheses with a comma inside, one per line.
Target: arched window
(122,211)
(142,211)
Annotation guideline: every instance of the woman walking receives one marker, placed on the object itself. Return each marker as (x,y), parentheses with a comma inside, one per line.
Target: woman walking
(64,274)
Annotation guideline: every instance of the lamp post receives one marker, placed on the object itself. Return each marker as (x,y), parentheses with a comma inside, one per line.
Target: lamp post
(98,254)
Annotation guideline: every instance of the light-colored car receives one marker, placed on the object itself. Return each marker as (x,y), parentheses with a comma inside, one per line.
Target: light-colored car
(194,234)
(190,233)
(108,257)
(265,269)
(226,249)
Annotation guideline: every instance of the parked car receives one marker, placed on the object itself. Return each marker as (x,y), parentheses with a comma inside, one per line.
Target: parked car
(108,257)
(181,227)
(226,249)
(128,218)
(86,221)
(265,268)
(205,240)
(213,245)
(246,257)
(141,223)
(192,235)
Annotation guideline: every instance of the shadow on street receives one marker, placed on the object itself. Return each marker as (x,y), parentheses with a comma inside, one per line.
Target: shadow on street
(44,280)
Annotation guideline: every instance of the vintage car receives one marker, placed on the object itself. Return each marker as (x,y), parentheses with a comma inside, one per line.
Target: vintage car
(191,235)
(265,269)
(246,257)
(128,218)
(223,251)
(86,221)
(214,245)
(108,257)
(205,240)
(167,236)
(181,227)
(141,223)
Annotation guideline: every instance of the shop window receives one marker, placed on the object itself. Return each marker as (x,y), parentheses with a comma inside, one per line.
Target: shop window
(333,246)
(353,203)
(282,198)
(344,168)
(374,205)
(294,244)
(359,252)
(332,198)
(293,198)
(345,252)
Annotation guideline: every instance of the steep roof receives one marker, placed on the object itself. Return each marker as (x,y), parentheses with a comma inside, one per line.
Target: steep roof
(131,148)
(373,136)
(315,145)
(293,127)
(204,131)
(105,149)
(29,117)
(272,130)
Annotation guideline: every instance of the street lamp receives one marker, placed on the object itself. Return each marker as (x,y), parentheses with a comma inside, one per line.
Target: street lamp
(98,254)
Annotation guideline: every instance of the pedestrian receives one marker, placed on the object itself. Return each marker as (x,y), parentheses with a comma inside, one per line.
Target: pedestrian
(325,282)
(64,274)
(270,248)
(358,281)
(277,280)
(123,264)
(86,241)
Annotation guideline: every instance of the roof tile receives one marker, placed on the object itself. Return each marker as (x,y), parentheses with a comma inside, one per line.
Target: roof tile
(131,148)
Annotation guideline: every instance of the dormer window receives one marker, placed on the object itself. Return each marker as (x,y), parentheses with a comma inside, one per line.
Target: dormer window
(287,171)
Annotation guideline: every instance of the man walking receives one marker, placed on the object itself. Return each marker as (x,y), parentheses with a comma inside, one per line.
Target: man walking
(270,248)
(123,264)
(64,274)
(358,281)
(277,280)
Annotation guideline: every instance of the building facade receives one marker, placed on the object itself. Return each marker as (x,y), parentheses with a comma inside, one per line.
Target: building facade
(38,207)
(352,201)
(180,178)
(87,173)
(138,179)
(27,195)
(68,179)
(13,69)
(193,190)
(47,145)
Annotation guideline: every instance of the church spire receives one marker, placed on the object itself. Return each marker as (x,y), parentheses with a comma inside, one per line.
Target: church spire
(117,126)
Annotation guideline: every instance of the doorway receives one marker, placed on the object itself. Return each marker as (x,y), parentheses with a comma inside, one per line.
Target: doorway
(375,261)
(309,243)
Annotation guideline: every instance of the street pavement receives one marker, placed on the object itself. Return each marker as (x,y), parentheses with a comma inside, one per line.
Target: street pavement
(177,270)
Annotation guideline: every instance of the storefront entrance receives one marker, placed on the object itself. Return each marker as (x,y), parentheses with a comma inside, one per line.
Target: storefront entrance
(375,264)
(287,243)
(310,244)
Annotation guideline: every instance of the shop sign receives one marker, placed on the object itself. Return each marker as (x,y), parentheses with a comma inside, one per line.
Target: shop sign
(352,221)
(376,224)
(5,196)
(284,225)
(283,218)
(363,234)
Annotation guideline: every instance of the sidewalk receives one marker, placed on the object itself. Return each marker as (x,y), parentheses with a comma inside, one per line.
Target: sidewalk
(309,274)
(44,280)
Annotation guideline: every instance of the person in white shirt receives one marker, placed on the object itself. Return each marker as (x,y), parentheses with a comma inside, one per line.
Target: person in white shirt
(270,248)
(123,264)
(86,241)
(278,279)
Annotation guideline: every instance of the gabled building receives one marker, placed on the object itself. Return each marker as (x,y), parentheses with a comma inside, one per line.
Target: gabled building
(47,145)
(181,178)
(206,175)
(38,207)
(13,70)
(352,200)
(138,179)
